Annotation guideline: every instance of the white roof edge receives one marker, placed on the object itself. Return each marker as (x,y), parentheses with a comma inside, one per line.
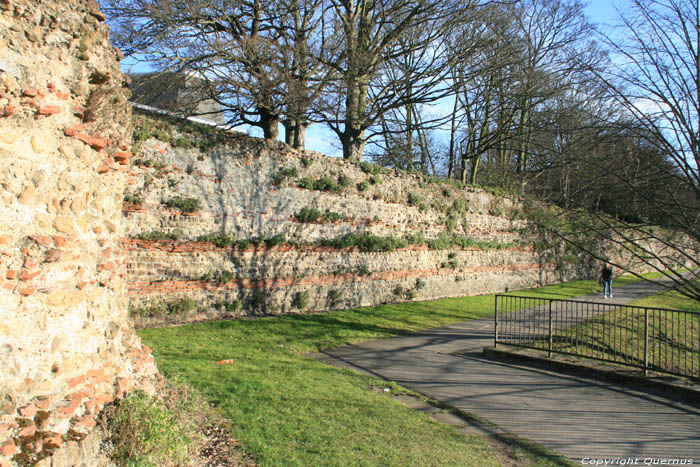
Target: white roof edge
(203,121)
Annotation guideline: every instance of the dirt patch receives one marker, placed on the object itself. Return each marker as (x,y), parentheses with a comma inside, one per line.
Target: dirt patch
(219,449)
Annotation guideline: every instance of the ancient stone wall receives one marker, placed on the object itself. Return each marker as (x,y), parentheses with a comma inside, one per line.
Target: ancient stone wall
(66,345)
(220,224)
(264,255)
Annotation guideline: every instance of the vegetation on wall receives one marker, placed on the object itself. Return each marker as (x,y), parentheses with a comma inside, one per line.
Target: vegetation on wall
(185,205)
(163,308)
(313,215)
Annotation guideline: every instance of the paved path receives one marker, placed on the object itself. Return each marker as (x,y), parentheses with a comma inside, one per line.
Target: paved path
(577,416)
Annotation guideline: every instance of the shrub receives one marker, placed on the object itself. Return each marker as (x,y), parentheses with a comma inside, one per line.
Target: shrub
(301,300)
(156,309)
(134,199)
(415,239)
(375,180)
(275,240)
(362,186)
(306,162)
(184,305)
(450,224)
(145,432)
(332,216)
(363,270)
(368,168)
(157,235)
(326,184)
(460,205)
(308,215)
(219,239)
(420,284)
(284,174)
(306,182)
(343,182)
(187,205)
(220,277)
(414,199)
(365,242)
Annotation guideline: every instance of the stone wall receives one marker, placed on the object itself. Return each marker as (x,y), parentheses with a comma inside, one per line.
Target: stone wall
(67,347)
(253,191)
(218,224)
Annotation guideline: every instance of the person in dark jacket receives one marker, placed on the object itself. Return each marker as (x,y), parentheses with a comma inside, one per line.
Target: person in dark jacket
(606,276)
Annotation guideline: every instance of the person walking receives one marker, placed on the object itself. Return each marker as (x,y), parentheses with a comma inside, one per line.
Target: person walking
(606,276)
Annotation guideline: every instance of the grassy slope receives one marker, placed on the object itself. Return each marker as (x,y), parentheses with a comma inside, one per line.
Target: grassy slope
(288,409)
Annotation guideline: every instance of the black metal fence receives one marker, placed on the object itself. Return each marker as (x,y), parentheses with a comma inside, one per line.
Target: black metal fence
(653,339)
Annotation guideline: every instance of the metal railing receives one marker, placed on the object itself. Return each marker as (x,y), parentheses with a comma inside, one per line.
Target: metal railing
(652,339)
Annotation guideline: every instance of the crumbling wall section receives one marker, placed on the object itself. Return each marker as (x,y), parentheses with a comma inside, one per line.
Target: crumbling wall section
(66,345)
(220,224)
(225,226)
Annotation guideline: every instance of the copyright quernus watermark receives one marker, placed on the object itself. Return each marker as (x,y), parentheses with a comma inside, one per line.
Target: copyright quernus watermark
(622,461)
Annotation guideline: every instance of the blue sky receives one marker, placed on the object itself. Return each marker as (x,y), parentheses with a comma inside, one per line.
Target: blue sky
(602,11)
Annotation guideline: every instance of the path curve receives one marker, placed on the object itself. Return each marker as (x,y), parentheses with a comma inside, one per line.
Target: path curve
(580,417)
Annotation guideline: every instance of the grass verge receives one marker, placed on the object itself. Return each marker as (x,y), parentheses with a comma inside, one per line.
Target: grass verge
(288,409)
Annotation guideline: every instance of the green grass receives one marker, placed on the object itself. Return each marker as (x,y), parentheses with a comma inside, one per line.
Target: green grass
(578,288)
(288,409)
(672,299)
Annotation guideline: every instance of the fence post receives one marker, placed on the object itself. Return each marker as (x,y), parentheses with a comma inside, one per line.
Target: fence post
(550,331)
(646,341)
(495,323)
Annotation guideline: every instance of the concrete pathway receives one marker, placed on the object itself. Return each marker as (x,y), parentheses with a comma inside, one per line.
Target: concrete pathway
(581,418)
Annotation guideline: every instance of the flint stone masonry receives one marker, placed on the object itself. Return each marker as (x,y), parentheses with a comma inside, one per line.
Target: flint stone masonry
(67,347)
(254,191)
(241,194)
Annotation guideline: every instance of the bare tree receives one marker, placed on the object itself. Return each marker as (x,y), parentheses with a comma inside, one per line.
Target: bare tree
(300,24)
(653,77)
(254,57)
(373,34)
(553,34)
(484,78)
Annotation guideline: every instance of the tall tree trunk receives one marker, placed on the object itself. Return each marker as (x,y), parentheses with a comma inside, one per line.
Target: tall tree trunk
(524,136)
(288,132)
(353,145)
(269,122)
(453,134)
(299,141)
(352,138)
